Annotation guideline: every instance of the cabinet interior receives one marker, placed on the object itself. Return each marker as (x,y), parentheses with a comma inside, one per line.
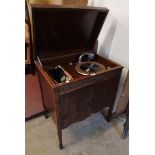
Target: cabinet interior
(68,63)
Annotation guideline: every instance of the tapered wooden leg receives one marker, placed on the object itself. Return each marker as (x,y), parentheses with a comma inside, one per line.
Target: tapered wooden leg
(59,132)
(60,146)
(46,115)
(126,128)
(109,114)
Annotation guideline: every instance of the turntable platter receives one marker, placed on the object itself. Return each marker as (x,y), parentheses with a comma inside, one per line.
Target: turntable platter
(89,68)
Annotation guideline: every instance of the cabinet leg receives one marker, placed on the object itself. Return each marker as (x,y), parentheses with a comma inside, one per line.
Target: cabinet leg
(46,115)
(60,138)
(60,146)
(109,114)
(126,128)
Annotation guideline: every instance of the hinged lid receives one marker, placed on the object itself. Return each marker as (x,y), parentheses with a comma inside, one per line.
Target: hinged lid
(61,29)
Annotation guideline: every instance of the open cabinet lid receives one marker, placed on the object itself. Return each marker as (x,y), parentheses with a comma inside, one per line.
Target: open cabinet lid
(61,30)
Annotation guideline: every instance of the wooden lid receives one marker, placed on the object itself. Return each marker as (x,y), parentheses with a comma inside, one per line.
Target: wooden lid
(61,30)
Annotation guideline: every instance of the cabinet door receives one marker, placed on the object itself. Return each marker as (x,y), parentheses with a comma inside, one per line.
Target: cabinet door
(103,94)
(76,106)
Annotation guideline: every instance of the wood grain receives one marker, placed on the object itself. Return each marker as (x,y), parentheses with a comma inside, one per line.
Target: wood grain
(60,41)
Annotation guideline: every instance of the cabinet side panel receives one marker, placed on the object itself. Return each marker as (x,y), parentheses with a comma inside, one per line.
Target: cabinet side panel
(47,96)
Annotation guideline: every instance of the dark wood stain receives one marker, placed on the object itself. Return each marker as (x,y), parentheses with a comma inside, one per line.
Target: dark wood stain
(74,101)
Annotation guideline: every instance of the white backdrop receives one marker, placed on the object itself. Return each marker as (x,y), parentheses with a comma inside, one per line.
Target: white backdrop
(114,36)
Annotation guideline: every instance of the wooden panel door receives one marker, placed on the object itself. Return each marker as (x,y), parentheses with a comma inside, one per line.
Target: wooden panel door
(76,106)
(103,94)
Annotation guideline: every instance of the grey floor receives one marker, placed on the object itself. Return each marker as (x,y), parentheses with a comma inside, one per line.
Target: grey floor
(93,136)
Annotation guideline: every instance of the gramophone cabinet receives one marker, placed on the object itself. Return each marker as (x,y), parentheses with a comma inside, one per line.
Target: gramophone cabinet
(60,35)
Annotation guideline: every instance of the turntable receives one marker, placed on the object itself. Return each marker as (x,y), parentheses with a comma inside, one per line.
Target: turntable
(87,65)
(75,81)
(89,68)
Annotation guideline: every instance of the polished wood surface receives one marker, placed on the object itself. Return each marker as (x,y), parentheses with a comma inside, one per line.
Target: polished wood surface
(29,65)
(74,101)
(63,35)
(74,28)
(27,37)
